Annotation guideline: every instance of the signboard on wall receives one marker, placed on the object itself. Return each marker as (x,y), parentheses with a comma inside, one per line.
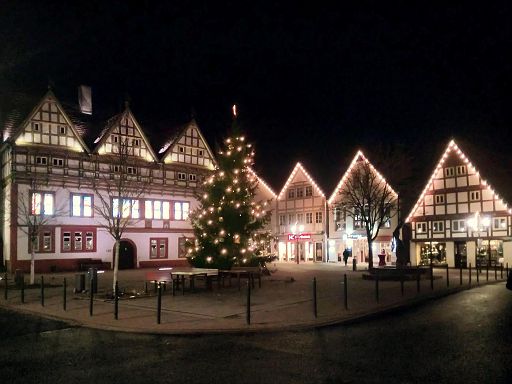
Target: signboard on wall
(299,236)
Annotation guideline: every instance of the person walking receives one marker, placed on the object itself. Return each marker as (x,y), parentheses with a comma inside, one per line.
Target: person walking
(346,254)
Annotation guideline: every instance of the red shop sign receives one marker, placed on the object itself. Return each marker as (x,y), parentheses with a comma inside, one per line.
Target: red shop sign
(301,236)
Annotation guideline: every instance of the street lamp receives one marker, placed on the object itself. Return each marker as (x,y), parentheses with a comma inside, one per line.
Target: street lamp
(296,230)
(481,225)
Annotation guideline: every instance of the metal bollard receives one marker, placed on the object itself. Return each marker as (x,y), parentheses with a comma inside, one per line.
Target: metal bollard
(91,296)
(417,279)
(477,275)
(64,293)
(345,291)
(146,287)
(469,281)
(377,286)
(460,275)
(6,287)
(354,264)
(23,291)
(501,271)
(315,307)
(248,307)
(487,272)
(42,291)
(116,301)
(447,276)
(159,304)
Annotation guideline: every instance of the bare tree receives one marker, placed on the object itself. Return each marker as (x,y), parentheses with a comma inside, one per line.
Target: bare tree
(368,198)
(36,210)
(119,192)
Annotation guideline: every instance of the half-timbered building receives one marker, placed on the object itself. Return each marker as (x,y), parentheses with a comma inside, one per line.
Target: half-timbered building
(347,232)
(459,218)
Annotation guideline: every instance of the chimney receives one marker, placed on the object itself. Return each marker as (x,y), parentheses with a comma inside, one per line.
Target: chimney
(85,99)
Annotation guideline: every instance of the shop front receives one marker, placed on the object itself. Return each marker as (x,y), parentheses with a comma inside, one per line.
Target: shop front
(301,248)
(357,246)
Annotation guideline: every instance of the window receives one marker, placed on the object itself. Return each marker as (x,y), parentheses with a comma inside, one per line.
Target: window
(282,220)
(300,192)
(181,149)
(461,170)
(192,177)
(182,176)
(42,203)
(181,210)
(182,246)
(291,193)
(421,227)
(499,223)
(58,162)
(62,130)
(300,218)
(318,217)
(438,226)
(116,168)
(41,160)
(200,152)
(337,214)
(115,139)
(158,248)
(449,172)
(309,190)
(474,195)
(309,217)
(157,209)
(291,219)
(136,142)
(44,243)
(36,127)
(458,225)
(81,205)
(358,218)
(387,217)
(439,199)
(131,170)
(129,209)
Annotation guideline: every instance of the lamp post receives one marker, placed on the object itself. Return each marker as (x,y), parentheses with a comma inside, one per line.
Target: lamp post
(481,225)
(296,231)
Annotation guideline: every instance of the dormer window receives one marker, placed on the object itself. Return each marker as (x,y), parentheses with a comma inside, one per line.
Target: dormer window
(41,160)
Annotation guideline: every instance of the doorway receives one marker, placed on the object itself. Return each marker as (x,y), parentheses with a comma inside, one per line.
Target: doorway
(461,254)
(127,254)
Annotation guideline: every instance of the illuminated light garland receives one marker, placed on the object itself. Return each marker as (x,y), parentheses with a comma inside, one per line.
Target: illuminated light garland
(298,167)
(453,147)
(358,155)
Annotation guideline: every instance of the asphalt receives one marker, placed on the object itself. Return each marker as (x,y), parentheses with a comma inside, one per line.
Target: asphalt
(283,303)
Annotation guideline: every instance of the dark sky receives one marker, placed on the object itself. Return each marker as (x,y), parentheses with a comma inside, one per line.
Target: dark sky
(313,83)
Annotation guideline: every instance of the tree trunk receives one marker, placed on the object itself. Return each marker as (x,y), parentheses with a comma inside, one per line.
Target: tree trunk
(32,268)
(370,254)
(116,263)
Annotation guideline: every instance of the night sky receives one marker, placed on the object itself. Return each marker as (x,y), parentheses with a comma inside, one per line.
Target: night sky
(313,83)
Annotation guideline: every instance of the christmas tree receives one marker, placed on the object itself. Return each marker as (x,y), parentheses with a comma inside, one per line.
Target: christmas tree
(228,223)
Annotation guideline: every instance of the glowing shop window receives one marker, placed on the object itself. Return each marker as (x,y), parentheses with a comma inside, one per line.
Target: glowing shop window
(148,209)
(88,206)
(89,241)
(78,241)
(157,209)
(76,205)
(181,210)
(47,241)
(42,203)
(66,241)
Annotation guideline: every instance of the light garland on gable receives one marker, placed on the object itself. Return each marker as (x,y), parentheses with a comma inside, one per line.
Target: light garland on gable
(251,171)
(358,155)
(292,175)
(454,147)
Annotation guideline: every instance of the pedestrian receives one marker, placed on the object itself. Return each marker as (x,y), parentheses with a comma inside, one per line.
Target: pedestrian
(346,254)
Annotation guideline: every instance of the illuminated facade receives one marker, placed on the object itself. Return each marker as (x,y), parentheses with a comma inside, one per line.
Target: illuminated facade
(459,218)
(48,168)
(346,232)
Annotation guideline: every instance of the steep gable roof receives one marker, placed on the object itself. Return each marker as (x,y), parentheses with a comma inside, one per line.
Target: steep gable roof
(358,157)
(298,167)
(453,148)
(262,182)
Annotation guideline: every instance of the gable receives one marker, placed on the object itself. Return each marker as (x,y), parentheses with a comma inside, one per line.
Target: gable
(263,190)
(456,187)
(49,125)
(190,148)
(125,129)
(300,175)
(357,158)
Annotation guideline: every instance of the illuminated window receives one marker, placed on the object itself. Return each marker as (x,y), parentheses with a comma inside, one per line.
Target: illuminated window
(438,226)
(44,242)
(158,248)
(421,227)
(182,248)
(499,223)
(42,203)
(309,217)
(459,225)
(129,208)
(81,205)
(78,239)
(157,209)
(309,191)
(181,210)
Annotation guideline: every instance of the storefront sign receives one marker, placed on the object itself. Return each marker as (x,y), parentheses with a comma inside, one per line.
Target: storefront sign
(301,236)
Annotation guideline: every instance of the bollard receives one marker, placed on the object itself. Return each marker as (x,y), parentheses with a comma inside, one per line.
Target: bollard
(460,275)
(507,270)
(447,276)
(469,281)
(146,287)
(495,273)
(91,296)
(6,287)
(487,272)
(116,300)
(477,275)
(377,286)
(248,307)
(42,291)
(315,308)
(431,277)
(159,304)
(64,286)
(23,291)
(354,264)
(345,291)
(417,279)
(156,286)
